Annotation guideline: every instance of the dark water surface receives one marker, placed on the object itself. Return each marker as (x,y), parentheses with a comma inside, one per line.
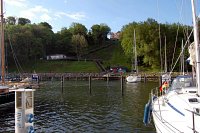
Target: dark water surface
(75,110)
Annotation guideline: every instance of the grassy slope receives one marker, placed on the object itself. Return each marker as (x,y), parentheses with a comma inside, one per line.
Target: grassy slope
(60,66)
(111,56)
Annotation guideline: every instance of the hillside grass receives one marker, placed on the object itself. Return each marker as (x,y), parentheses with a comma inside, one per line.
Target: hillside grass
(43,66)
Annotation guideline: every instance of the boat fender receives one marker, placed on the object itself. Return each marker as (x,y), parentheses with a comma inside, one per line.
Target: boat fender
(30,129)
(29,118)
(147,113)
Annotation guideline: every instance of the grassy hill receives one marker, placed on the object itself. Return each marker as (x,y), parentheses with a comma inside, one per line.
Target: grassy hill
(59,67)
(110,56)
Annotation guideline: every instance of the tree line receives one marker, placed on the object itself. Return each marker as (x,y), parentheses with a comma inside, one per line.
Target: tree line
(28,41)
(151,38)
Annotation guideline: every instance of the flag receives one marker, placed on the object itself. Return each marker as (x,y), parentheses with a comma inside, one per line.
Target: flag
(164,85)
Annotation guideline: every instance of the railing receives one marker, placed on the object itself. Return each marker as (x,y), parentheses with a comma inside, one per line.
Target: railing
(155,93)
(193,120)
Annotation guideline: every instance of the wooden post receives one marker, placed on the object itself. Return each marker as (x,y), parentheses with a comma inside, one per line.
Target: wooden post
(122,88)
(107,78)
(160,80)
(90,88)
(145,78)
(62,82)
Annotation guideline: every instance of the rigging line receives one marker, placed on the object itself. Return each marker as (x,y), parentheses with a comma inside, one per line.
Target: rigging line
(181,51)
(19,68)
(176,35)
(159,37)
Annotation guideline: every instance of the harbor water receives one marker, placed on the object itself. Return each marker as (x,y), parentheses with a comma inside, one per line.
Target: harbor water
(74,109)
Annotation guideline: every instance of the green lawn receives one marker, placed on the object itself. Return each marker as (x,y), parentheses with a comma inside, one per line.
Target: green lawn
(60,66)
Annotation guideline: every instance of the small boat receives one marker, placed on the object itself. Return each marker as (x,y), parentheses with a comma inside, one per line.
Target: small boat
(7,97)
(134,77)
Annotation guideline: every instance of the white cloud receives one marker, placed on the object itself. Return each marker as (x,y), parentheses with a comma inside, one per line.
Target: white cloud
(75,16)
(35,13)
(45,17)
(16,3)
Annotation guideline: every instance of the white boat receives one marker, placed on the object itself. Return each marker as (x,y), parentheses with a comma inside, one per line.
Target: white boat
(132,78)
(177,109)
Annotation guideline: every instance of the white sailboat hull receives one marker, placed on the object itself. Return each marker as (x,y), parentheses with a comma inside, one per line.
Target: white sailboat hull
(172,113)
(133,78)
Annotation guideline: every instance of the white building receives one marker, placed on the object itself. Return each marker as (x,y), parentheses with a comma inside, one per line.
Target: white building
(56,57)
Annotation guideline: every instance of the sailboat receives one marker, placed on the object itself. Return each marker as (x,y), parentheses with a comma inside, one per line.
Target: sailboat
(7,96)
(177,109)
(132,78)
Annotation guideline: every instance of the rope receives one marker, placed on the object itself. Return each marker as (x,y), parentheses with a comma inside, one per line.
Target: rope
(180,13)
(159,36)
(181,53)
(15,57)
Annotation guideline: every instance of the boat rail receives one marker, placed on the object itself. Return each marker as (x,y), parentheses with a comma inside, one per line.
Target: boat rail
(155,93)
(193,120)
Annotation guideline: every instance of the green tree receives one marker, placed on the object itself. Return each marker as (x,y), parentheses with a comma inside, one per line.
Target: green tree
(100,32)
(45,24)
(11,20)
(79,42)
(77,28)
(23,21)
(63,42)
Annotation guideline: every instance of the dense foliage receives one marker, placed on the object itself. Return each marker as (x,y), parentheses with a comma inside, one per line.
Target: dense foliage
(150,42)
(29,42)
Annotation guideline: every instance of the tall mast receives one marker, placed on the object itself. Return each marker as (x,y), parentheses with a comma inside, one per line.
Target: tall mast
(165,56)
(135,52)
(196,42)
(2,45)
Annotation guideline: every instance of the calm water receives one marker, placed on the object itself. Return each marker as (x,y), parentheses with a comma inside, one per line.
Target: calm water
(75,110)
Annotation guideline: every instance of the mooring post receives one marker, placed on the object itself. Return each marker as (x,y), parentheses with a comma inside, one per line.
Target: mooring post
(145,78)
(52,79)
(38,79)
(160,80)
(62,82)
(107,78)
(122,88)
(90,88)
(24,106)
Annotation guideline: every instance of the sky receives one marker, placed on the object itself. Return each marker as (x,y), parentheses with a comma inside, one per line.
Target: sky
(114,13)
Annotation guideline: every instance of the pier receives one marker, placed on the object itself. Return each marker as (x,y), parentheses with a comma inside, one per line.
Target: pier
(94,76)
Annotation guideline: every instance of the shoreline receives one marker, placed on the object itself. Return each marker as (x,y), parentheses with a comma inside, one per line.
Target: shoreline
(96,76)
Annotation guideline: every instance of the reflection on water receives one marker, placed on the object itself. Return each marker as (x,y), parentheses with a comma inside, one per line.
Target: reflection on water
(76,110)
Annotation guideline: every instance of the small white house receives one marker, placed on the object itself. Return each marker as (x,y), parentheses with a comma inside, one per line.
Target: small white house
(56,57)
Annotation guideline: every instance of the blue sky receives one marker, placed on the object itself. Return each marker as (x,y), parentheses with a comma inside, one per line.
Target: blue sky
(115,13)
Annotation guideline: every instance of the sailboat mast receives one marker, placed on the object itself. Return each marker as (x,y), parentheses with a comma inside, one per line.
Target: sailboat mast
(2,45)
(165,56)
(135,52)
(196,42)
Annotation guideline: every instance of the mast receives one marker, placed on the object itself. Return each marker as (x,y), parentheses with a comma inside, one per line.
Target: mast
(135,53)
(165,56)
(2,45)
(182,59)
(196,42)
